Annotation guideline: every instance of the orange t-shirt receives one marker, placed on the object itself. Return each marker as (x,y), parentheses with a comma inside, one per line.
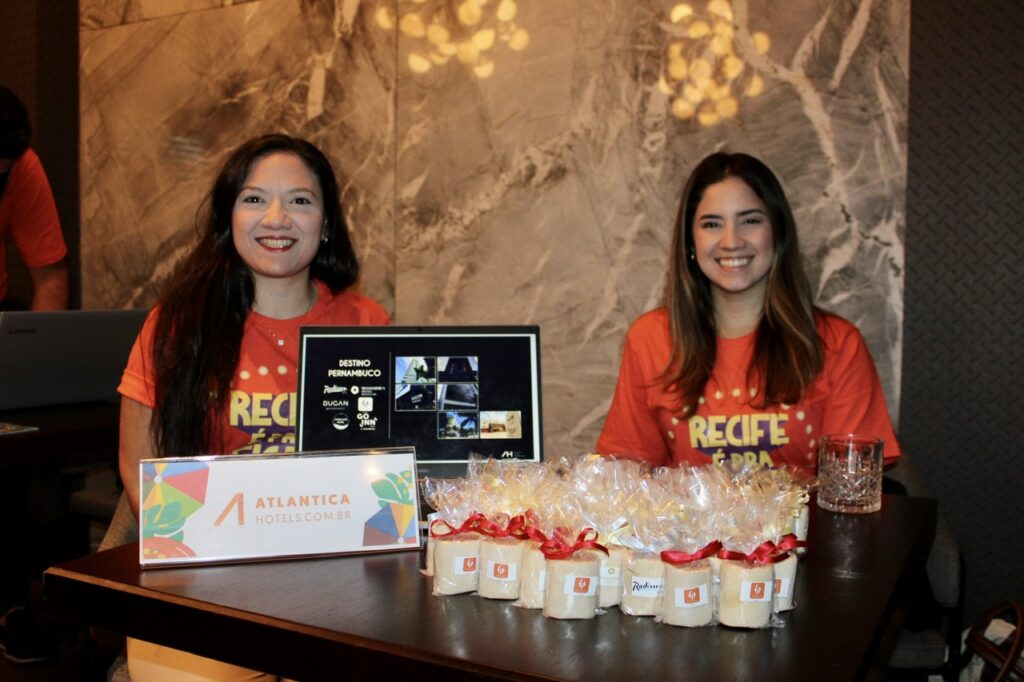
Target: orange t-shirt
(648,422)
(28,213)
(260,417)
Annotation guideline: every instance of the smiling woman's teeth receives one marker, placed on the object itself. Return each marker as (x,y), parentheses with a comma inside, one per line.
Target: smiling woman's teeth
(276,243)
(734,262)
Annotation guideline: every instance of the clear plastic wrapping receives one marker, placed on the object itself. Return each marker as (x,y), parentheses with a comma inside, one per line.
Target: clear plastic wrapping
(533,578)
(745,594)
(785,583)
(643,584)
(456,563)
(688,599)
(501,561)
(572,586)
(691,546)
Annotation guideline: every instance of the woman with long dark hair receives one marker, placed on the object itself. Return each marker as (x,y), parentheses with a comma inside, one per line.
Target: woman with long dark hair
(214,369)
(739,365)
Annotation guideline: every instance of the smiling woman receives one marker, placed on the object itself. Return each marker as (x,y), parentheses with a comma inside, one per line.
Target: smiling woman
(739,342)
(214,369)
(277,226)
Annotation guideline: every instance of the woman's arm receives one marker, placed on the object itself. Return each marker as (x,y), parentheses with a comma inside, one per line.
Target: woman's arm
(136,444)
(631,426)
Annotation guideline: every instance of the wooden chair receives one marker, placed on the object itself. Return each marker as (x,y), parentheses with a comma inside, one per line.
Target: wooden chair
(1002,661)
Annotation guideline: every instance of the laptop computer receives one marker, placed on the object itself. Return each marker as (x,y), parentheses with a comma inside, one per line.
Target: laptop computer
(451,392)
(62,357)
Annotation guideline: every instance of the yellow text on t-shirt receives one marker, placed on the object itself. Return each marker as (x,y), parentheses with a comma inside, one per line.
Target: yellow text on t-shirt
(722,430)
(262,409)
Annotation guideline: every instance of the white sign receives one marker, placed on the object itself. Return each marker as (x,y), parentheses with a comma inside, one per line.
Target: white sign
(198,510)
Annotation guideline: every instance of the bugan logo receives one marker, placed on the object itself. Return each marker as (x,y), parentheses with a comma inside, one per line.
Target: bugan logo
(691,596)
(501,571)
(469,564)
(581,585)
(757,590)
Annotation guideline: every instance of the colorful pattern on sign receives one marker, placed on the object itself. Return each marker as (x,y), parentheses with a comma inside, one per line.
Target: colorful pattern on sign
(396,521)
(171,492)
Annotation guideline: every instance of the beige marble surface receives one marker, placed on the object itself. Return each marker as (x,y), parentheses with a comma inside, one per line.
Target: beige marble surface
(543,193)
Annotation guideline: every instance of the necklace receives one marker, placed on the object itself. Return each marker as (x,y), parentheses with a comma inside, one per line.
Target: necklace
(259,320)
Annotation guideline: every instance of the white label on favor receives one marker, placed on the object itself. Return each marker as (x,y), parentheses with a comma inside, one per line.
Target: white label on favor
(758,590)
(465,565)
(691,597)
(783,586)
(580,585)
(648,588)
(610,576)
(542,581)
(503,572)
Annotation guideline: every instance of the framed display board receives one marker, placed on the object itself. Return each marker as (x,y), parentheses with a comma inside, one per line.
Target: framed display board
(450,392)
(229,508)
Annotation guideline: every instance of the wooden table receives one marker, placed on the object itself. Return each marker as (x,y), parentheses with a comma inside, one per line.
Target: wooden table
(67,436)
(34,486)
(373,616)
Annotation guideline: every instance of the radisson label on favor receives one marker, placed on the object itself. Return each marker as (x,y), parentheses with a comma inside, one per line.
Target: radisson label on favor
(647,588)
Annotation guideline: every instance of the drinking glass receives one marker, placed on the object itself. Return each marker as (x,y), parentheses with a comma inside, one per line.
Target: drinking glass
(850,474)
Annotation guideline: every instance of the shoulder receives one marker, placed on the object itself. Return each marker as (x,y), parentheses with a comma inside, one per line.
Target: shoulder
(835,330)
(839,336)
(649,335)
(28,167)
(652,324)
(349,307)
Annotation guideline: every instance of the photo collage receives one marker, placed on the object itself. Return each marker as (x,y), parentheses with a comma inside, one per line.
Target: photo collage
(447,388)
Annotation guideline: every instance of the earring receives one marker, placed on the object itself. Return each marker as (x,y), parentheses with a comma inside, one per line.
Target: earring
(693,256)
(323,238)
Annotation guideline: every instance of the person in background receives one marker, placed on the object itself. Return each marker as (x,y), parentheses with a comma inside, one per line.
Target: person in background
(27,212)
(274,255)
(739,366)
(29,216)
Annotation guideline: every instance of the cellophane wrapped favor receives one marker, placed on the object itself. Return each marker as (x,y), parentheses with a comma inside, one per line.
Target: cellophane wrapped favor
(691,546)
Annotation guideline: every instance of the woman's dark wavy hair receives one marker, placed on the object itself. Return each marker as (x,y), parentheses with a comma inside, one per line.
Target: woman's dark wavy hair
(15,129)
(788,352)
(198,331)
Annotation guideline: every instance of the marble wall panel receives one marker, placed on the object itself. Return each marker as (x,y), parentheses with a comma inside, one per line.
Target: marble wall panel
(545,193)
(534,181)
(165,99)
(105,13)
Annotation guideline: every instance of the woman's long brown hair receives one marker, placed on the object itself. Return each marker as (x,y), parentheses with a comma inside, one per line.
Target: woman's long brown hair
(198,331)
(788,352)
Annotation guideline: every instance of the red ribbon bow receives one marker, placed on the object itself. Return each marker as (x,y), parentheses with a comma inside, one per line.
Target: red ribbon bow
(516,528)
(556,547)
(536,534)
(789,542)
(491,529)
(765,553)
(677,558)
(470,525)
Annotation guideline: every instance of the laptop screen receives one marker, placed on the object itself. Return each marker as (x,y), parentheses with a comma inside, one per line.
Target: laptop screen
(65,356)
(450,392)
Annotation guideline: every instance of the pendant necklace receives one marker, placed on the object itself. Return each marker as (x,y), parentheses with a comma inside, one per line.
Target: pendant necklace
(278,340)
